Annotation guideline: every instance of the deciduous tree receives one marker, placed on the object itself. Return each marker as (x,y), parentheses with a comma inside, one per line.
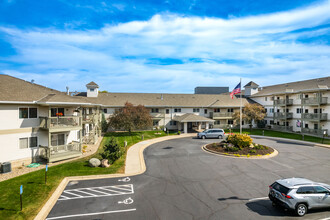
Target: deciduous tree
(250,113)
(131,117)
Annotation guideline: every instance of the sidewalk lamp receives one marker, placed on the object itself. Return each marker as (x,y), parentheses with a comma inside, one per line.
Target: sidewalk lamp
(231,127)
(324,134)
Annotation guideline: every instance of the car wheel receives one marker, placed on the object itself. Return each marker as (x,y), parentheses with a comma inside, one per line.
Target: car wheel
(301,209)
(220,137)
(203,137)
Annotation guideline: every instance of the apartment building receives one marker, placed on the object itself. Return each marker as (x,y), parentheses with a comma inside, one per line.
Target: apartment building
(39,122)
(301,106)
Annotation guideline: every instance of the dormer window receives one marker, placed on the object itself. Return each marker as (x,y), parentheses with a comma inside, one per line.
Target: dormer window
(92,90)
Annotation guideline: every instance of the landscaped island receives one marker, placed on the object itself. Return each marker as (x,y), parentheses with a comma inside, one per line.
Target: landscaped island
(239,145)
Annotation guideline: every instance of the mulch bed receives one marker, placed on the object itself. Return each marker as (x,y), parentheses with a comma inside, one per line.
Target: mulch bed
(219,147)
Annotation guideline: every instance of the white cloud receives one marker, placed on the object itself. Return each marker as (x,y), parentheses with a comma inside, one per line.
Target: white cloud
(255,48)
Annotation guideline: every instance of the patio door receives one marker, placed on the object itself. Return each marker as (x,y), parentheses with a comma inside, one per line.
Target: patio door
(57,139)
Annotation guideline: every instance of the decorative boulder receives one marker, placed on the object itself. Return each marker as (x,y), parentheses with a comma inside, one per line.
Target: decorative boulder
(94,162)
(105,163)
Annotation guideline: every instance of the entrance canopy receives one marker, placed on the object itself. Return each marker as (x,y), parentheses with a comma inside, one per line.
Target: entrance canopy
(190,117)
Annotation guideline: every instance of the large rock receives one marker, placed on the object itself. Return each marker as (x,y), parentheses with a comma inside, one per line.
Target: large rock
(94,162)
(105,163)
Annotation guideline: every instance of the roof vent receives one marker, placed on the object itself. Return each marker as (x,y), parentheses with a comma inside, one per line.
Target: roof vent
(322,86)
(289,90)
(32,81)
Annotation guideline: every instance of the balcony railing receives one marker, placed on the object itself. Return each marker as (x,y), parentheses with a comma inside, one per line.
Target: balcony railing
(221,115)
(315,116)
(318,132)
(283,115)
(224,126)
(62,152)
(282,102)
(89,118)
(282,128)
(315,101)
(60,122)
(157,115)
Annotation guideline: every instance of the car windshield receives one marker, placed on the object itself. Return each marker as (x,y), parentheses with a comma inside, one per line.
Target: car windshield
(206,130)
(280,188)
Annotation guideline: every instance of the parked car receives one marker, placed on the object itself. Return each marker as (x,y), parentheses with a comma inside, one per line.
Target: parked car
(299,194)
(211,133)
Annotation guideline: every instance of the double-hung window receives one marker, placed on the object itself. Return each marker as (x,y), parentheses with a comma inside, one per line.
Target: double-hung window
(28,113)
(28,142)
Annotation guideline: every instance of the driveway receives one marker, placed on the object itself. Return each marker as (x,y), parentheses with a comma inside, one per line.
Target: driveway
(184,182)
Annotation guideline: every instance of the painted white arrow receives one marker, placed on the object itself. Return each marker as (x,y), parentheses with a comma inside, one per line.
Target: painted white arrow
(126,201)
(126,179)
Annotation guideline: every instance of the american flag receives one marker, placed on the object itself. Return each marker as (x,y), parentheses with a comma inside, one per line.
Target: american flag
(236,90)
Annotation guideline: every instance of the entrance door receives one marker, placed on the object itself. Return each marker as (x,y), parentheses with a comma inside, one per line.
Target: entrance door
(189,125)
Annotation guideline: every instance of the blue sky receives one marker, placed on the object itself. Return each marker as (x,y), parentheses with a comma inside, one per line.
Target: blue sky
(164,46)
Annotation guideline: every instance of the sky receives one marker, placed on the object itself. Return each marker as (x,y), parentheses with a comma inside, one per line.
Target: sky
(169,46)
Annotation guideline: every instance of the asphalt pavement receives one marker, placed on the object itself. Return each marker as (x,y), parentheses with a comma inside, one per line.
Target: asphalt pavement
(184,182)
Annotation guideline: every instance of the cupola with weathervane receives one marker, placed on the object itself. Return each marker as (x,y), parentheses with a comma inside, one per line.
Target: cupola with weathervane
(92,89)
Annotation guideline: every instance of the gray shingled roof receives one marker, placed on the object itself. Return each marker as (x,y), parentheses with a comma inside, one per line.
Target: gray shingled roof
(306,85)
(167,100)
(251,83)
(190,117)
(92,84)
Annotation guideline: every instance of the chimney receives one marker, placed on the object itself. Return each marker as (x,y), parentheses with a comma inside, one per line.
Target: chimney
(67,90)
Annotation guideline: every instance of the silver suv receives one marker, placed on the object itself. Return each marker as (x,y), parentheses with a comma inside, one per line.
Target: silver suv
(299,194)
(211,133)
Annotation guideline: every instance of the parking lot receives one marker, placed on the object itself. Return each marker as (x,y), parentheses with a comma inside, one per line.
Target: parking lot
(184,182)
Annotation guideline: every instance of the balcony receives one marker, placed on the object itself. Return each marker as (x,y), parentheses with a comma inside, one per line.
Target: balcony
(317,132)
(315,116)
(283,115)
(63,123)
(223,126)
(282,128)
(283,102)
(220,115)
(315,101)
(157,115)
(62,152)
(88,118)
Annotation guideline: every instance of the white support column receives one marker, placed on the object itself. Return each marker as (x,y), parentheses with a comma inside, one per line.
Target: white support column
(207,125)
(185,127)
(199,126)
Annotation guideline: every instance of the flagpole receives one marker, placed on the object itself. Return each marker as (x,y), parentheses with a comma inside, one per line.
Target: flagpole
(240,109)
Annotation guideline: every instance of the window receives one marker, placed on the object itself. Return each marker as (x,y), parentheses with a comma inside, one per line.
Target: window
(230,110)
(154,110)
(271,110)
(33,113)
(196,110)
(265,110)
(316,126)
(105,110)
(92,90)
(23,112)
(54,112)
(230,122)
(28,112)
(167,111)
(172,123)
(320,189)
(155,123)
(299,110)
(306,96)
(272,98)
(177,110)
(242,122)
(306,190)
(205,111)
(217,122)
(33,141)
(57,139)
(306,110)
(271,122)
(265,98)
(217,110)
(299,96)
(265,122)
(23,143)
(306,125)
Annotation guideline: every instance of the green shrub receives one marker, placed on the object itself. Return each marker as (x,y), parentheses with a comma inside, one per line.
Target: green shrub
(214,144)
(240,140)
(179,132)
(259,147)
(112,150)
(232,149)
(253,151)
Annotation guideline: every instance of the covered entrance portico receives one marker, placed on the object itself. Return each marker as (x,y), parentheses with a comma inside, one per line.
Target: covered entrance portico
(191,122)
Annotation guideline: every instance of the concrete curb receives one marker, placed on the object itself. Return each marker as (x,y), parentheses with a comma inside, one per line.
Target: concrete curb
(292,141)
(274,154)
(139,147)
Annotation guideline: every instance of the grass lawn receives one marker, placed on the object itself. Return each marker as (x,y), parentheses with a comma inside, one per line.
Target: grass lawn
(36,192)
(272,133)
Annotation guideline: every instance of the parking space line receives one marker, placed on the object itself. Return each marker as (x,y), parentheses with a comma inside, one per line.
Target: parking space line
(256,199)
(90,192)
(89,214)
